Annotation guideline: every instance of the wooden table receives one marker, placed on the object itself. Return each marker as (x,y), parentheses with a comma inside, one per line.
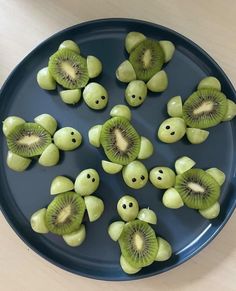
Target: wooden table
(212,25)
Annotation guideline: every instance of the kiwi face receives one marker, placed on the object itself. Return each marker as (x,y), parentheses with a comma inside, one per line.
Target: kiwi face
(65,213)
(28,140)
(147,59)
(69,69)
(138,243)
(205,108)
(197,188)
(120,140)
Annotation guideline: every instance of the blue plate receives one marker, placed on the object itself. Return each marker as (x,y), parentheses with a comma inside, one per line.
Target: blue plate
(24,193)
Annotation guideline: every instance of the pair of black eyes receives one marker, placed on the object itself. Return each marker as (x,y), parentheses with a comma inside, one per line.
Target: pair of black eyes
(73,139)
(140,98)
(168,127)
(130,205)
(134,179)
(88,176)
(158,177)
(102,97)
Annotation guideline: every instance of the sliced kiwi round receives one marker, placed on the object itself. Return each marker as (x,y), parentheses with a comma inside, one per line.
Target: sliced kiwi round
(69,69)
(65,213)
(120,140)
(147,59)
(138,243)
(197,188)
(28,140)
(205,108)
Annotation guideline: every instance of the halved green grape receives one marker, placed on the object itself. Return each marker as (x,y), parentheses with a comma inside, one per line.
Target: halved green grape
(136,93)
(71,45)
(175,106)
(164,250)
(231,111)
(128,208)
(94,206)
(61,184)
(196,135)
(127,268)
(172,199)
(47,121)
(87,182)
(162,177)
(184,164)
(172,130)
(121,111)
(70,96)
(209,82)
(37,221)
(50,156)
(132,39)
(217,174)
(115,229)
(67,138)
(211,212)
(17,163)
(95,96)
(45,79)
(94,66)
(94,135)
(146,148)
(125,72)
(111,168)
(168,48)
(135,175)
(76,238)
(159,82)
(10,123)
(148,215)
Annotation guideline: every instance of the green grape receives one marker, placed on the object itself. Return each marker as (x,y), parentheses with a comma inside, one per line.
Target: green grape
(162,177)
(125,72)
(217,174)
(94,206)
(135,175)
(136,93)
(111,168)
(70,96)
(172,130)
(95,96)
(158,83)
(121,111)
(164,250)
(172,199)
(47,121)
(128,208)
(211,212)
(115,229)
(132,39)
(209,82)
(175,107)
(45,80)
(94,66)
(126,267)
(76,238)
(184,164)
(231,111)
(146,148)
(50,156)
(196,135)
(61,184)
(87,182)
(37,221)
(10,123)
(67,138)
(168,48)
(71,45)
(94,135)
(148,215)
(17,163)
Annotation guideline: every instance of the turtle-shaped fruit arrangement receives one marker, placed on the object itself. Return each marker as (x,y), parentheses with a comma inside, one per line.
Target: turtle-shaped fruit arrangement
(38,139)
(123,147)
(194,188)
(204,108)
(139,245)
(65,214)
(72,71)
(143,71)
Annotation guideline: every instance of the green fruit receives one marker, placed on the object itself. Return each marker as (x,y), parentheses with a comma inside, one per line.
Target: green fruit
(10,123)
(172,130)
(111,168)
(121,111)
(211,212)
(183,164)
(50,156)
(67,138)
(146,148)
(61,184)
(37,221)
(87,182)
(172,199)
(115,229)
(125,72)
(135,175)
(136,93)
(148,215)
(231,110)
(127,208)
(71,45)
(126,267)
(132,39)
(75,238)
(164,250)
(168,49)
(175,107)
(209,83)
(94,135)
(94,66)
(47,121)
(217,174)
(158,82)
(94,206)
(162,177)
(95,96)
(17,163)
(70,96)
(45,79)
(196,135)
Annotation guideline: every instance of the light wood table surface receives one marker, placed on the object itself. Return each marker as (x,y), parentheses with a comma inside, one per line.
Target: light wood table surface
(212,25)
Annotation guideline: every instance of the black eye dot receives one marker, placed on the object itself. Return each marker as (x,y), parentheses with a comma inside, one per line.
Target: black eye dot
(140,98)
(97,101)
(142,177)
(73,140)
(88,176)
(134,180)
(159,178)
(160,171)
(130,204)
(103,97)
(167,127)
(93,180)
(72,133)
(133,96)
(172,133)
(124,206)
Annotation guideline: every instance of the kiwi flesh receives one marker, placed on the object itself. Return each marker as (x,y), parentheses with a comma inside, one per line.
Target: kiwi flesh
(205,108)
(147,59)
(197,188)
(120,141)
(138,243)
(69,69)
(65,213)
(28,140)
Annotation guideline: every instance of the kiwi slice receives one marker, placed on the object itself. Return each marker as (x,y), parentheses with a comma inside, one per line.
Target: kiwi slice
(147,59)
(120,140)
(205,108)
(65,213)
(197,188)
(138,243)
(28,140)
(69,69)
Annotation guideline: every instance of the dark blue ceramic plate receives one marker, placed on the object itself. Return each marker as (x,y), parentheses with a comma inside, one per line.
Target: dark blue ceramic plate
(24,193)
